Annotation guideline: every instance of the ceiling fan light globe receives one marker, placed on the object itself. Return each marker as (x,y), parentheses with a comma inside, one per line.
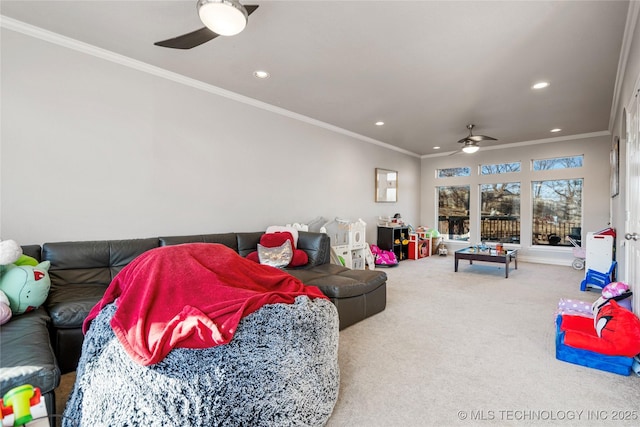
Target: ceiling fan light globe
(470,149)
(223,17)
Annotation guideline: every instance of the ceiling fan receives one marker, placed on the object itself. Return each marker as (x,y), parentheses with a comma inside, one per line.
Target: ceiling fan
(471,141)
(220,17)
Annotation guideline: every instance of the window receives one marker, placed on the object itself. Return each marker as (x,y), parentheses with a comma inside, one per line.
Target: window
(451,172)
(453,212)
(500,168)
(558,163)
(500,212)
(557,211)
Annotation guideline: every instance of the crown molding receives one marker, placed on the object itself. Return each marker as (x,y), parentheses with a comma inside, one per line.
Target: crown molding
(86,48)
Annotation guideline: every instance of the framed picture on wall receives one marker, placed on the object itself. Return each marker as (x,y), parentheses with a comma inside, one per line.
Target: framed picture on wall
(615,167)
(386,185)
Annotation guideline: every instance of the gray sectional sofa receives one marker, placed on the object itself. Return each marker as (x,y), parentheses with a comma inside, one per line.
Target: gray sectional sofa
(39,346)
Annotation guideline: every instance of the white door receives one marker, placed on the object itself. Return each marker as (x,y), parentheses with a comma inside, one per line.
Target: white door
(632,223)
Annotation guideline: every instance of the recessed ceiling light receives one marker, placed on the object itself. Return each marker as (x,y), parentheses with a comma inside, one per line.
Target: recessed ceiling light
(379,123)
(556,130)
(261,74)
(436,148)
(540,85)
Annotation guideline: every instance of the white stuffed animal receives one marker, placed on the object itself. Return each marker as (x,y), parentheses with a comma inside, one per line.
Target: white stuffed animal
(10,252)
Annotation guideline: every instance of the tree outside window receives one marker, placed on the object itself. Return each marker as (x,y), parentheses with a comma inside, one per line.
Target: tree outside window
(453,212)
(451,172)
(558,163)
(500,212)
(557,211)
(500,168)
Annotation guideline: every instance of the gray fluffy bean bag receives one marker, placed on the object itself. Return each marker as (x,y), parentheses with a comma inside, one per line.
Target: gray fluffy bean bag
(280,369)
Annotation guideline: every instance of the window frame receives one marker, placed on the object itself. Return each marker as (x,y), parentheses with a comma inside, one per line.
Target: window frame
(560,239)
(467,227)
(491,218)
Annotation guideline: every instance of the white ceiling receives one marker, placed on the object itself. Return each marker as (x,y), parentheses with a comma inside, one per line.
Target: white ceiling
(425,68)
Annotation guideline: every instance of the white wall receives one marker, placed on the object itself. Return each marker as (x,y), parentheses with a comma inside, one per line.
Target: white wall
(595,197)
(92,149)
(631,74)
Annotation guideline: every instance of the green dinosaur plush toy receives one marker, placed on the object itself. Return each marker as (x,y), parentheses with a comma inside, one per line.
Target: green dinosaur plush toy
(23,282)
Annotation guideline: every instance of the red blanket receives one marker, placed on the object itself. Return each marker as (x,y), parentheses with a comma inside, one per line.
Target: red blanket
(190,296)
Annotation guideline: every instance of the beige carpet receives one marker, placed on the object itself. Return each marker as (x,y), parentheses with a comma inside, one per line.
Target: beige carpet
(470,348)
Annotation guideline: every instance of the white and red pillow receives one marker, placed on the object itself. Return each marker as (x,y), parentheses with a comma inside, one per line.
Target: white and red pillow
(277,239)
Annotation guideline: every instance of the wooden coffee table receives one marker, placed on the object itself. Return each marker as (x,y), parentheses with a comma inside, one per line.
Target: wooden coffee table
(472,254)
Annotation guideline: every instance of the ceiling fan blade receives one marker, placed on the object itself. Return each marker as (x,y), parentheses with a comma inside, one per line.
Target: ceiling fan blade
(251,8)
(478,138)
(197,37)
(189,40)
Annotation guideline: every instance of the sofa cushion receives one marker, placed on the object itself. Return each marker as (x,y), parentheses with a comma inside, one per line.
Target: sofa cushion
(81,271)
(317,246)
(68,306)
(248,242)
(373,278)
(34,251)
(26,356)
(92,262)
(340,282)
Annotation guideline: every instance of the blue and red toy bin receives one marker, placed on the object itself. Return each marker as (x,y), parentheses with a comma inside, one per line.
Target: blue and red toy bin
(616,364)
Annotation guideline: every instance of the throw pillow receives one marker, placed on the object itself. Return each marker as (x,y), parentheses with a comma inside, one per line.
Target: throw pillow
(253,256)
(274,239)
(299,259)
(279,256)
(284,229)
